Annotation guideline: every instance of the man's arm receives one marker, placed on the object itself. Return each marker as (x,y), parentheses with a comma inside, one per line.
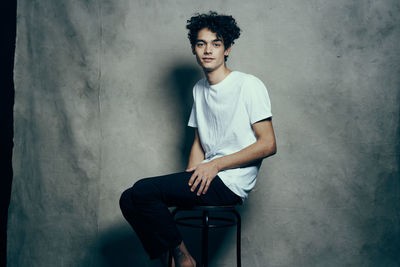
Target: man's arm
(196,153)
(265,146)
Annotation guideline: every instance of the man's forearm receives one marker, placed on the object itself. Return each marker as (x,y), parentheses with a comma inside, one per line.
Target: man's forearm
(256,151)
(195,158)
(196,153)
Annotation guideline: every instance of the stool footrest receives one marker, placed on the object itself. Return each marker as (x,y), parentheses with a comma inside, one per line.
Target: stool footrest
(181,221)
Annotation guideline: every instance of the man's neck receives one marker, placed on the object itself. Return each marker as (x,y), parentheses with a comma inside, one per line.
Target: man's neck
(216,76)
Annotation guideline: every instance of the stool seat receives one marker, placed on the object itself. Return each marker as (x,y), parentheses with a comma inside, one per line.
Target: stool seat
(204,221)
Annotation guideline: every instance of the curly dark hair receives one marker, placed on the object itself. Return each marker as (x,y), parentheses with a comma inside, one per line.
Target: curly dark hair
(223,26)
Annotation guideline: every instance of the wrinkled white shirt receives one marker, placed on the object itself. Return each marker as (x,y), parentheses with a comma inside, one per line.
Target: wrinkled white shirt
(223,114)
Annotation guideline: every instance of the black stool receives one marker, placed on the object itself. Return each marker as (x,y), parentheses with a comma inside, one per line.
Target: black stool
(205,224)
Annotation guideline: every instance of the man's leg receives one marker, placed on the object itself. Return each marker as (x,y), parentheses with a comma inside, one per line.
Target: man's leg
(145,206)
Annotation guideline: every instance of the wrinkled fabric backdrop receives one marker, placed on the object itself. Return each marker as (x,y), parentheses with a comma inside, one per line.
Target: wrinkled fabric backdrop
(103,94)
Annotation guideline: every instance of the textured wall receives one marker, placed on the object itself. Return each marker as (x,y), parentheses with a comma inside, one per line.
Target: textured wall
(103,91)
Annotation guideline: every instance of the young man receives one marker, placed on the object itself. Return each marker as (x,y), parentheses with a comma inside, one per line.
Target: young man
(231,115)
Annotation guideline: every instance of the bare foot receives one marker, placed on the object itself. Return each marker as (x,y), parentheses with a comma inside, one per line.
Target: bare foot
(182,257)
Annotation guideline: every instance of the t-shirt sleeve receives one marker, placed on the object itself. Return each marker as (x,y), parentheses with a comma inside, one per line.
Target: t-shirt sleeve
(193,118)
(256,99)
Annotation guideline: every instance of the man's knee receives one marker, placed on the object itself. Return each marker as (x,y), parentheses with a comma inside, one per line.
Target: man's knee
(143,190)
(125,201)
(136,194)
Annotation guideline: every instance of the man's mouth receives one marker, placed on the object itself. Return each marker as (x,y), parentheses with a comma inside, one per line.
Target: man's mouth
(208,59)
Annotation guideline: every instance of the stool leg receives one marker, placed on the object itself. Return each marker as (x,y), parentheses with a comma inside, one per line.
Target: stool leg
(238,238)
(204,256)
(170,258)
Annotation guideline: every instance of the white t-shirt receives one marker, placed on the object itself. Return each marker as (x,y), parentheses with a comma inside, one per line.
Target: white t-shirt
(223,114)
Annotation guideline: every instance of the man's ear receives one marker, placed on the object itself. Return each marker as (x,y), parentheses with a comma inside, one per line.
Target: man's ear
(227,51)
(193,50)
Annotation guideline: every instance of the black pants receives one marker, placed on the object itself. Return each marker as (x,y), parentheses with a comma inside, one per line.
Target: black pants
(145,207)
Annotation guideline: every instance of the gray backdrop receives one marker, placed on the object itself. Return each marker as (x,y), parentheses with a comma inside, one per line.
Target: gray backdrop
(103,94)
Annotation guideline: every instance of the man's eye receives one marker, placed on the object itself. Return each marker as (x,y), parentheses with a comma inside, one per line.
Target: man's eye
(200,44)
(217,44)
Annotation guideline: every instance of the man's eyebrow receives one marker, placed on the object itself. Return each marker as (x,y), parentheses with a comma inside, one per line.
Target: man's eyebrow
(215,40)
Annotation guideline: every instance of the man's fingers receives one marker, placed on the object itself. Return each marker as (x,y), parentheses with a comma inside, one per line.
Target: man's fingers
(198,180)
(206,187)
(191,180)
(190,170)
(203,183)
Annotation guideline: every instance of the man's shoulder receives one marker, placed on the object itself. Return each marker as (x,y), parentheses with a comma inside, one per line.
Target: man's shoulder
(252,80)
(246,77)
(249,77)
(200,82)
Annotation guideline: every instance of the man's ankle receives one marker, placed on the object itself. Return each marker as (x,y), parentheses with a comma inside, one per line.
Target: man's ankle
(182,256)
(178,252)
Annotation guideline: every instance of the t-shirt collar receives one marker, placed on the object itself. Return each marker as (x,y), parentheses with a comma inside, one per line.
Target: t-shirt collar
(221,83)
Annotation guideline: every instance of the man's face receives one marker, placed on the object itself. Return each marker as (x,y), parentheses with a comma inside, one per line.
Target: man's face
(210,50)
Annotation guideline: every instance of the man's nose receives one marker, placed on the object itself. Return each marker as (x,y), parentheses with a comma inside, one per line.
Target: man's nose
(208,49)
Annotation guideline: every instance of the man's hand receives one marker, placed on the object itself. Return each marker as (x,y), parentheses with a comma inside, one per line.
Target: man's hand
(203,174)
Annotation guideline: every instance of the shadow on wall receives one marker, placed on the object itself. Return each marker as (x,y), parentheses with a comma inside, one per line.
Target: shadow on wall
(119,246)
(179,82)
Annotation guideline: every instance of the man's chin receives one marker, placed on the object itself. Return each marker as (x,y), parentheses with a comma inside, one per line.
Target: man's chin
(208,69)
